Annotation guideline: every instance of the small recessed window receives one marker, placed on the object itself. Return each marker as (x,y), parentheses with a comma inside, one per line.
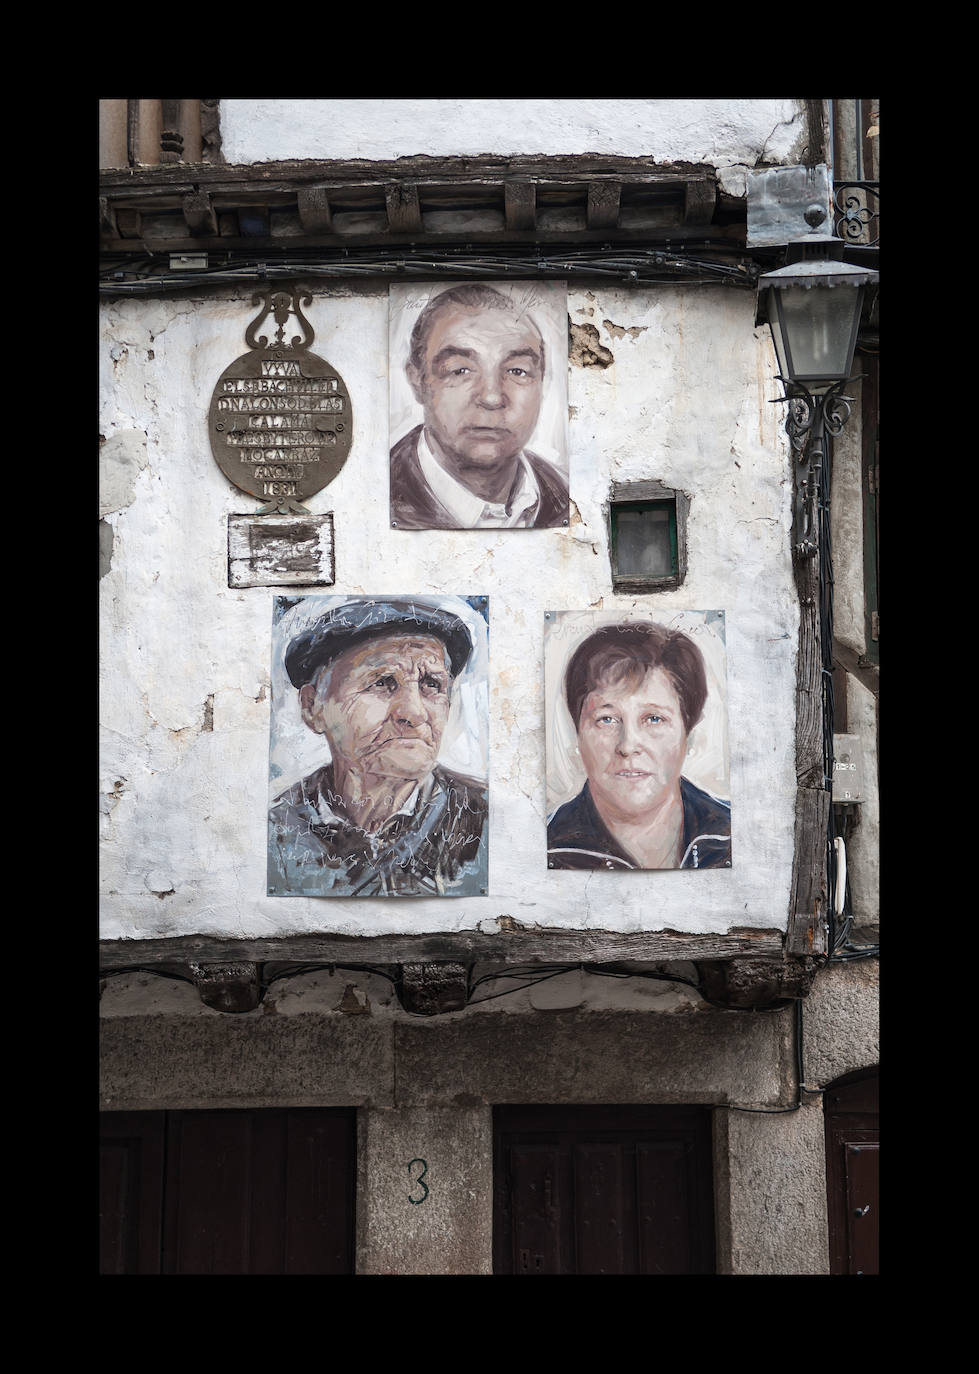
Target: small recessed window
(647,537)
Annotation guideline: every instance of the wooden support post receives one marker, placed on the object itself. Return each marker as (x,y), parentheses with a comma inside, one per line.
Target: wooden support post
(520,204)
(807,931)
(199,213)
(404,210)
(604,198)
(315,215)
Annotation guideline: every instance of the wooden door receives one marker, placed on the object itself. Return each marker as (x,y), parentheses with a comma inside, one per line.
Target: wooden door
(228,1192)
(603,1190)
(853,1173)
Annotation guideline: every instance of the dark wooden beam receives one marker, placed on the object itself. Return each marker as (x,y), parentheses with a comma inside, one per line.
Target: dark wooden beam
(512,944)
(520,204)
(807,931)
(314,210)
(808,923)
(199,214)
(404,210)
(435,170)
(604,198)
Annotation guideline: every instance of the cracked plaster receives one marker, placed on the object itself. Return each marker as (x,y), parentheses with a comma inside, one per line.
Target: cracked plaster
(721,133)
(683,399)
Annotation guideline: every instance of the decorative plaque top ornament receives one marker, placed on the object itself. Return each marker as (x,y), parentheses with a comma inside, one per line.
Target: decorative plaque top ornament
(280,420)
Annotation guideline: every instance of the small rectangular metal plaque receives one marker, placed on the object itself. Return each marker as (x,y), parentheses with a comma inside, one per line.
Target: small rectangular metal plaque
(785,203)
(847,769)
(281,551)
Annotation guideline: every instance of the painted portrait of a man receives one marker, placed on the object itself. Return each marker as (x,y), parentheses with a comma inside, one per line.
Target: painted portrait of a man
(637,763)
(379,711)
(479,406)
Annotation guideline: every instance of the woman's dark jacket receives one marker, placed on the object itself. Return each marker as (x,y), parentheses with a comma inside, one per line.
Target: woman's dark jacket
(577,836)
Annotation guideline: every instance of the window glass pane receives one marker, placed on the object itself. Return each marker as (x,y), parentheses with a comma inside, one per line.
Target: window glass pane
(643,542)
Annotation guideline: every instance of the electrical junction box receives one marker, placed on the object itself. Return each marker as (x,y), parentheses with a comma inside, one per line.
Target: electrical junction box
(847,769)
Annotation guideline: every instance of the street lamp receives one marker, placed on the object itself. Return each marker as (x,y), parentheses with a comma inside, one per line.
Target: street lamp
(813,306)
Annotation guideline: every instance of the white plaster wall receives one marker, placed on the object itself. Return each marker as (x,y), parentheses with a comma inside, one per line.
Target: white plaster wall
(721,133)
(186,659)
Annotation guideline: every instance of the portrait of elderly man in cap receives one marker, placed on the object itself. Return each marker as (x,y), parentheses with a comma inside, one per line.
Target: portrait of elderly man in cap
(478,386)
(391,694)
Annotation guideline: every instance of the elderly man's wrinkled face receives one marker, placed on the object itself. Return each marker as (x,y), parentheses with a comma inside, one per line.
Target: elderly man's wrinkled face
(383,706)
(481,385)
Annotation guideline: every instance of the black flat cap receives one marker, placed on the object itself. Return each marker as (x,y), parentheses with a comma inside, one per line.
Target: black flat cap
(356,622)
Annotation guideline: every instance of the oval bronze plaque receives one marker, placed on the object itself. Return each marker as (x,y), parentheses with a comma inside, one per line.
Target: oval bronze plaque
(280,420)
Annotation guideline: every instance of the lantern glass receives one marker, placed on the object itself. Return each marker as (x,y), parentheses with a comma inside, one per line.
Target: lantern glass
(814,330)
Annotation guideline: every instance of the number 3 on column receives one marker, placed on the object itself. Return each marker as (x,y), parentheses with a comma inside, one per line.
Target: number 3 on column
(417,1182)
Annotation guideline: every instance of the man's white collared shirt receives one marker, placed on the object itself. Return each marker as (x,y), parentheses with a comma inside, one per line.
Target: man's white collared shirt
(472,512)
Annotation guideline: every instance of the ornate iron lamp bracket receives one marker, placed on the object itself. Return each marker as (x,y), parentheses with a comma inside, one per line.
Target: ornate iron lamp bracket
(810,418)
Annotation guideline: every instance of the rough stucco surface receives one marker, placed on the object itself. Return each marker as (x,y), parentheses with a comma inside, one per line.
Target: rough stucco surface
(444,1226)
(718,132)
(843,996)
(777,1219)
(186,659)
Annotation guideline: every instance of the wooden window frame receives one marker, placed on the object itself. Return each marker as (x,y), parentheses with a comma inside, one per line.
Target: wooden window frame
(644,495)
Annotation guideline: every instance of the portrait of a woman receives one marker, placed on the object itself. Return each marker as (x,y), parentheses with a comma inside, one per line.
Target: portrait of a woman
(635,691)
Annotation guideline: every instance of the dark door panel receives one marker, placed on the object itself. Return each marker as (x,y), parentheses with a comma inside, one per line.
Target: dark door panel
(239,1192)
(603,1190)
(852,1173)
(130,1192)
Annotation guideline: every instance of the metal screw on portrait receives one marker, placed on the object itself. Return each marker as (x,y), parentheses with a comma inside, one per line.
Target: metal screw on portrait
(280,420)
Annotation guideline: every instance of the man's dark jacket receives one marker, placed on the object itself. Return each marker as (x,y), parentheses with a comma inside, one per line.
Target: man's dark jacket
(437,849)
(577,836)
(414,506)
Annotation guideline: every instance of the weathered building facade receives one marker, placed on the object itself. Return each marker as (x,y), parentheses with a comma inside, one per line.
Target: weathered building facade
(571,1071)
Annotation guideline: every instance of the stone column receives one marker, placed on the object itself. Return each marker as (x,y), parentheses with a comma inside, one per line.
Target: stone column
(425,1191)
(773,1217)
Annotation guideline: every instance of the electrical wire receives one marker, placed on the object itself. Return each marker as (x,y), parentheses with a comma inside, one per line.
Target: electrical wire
(640,267)
(799,1077)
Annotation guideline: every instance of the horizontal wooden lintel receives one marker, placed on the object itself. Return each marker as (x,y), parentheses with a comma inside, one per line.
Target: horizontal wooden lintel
(194,176)
(509,946)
